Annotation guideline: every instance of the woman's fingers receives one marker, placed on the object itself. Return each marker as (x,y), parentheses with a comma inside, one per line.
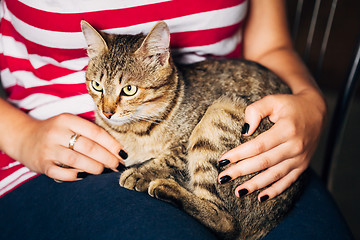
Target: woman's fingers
(45,148)
(259,162)
(95,152)
(279,177)
(262,143)
(280,185)
(276,135)
(81,159)
(63,174)
(257,111)
(91,131)
(90,152)
(283,152)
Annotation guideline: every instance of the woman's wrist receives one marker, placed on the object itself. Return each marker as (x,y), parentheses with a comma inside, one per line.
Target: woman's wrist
(288,66)
(315,97)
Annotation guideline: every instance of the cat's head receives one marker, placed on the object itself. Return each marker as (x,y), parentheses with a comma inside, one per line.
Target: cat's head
(130,77)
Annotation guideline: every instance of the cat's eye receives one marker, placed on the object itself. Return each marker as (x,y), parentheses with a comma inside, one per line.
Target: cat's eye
(96,86)
(130,90)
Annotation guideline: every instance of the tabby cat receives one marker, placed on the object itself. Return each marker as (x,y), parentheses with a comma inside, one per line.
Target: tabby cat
(176,121)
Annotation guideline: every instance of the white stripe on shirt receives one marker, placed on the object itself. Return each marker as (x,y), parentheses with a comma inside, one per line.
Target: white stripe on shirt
(74,105)
(76,40)
(80,6)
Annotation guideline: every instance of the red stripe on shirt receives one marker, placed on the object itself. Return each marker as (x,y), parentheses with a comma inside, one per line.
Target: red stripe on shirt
(47,72)
(57,54)
(88,115)
(203,37)
(70,22)
(58,90)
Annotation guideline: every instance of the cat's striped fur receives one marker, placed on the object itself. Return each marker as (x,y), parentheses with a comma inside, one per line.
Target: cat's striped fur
(178,123)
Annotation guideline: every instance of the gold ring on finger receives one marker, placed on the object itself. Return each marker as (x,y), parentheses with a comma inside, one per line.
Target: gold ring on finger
(73,140)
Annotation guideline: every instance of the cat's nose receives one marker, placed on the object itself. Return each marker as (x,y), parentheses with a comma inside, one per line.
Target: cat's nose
(108,114)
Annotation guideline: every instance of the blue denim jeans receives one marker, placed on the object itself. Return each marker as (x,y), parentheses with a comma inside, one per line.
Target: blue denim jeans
(97,208)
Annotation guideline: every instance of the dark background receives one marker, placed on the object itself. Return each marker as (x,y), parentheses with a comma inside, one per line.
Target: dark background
(337,60)
(342,40)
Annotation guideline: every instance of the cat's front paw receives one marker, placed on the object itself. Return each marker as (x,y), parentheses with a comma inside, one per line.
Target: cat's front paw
(134,179)
(167,190)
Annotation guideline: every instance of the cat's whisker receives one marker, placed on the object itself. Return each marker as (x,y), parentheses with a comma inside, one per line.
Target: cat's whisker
(152,121)
(157,121)
(153,118)
(148,119)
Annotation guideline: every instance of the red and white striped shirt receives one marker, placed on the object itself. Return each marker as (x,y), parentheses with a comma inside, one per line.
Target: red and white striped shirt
(43,56)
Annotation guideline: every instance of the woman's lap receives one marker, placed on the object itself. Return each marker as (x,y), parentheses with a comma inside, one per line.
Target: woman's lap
(97,208)
(94,208)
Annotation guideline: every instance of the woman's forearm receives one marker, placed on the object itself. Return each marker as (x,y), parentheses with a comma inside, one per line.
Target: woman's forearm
(13,124)
(288,66)
(267,41)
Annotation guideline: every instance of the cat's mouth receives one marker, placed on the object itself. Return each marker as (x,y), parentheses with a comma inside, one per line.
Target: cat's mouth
(116,120)
(130,118)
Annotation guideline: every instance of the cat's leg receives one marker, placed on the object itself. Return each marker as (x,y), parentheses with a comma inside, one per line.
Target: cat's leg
(166,166)
(218,131)
(207,212)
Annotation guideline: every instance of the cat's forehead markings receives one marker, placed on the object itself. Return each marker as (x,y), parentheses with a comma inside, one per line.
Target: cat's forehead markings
(119,76)
(102,75)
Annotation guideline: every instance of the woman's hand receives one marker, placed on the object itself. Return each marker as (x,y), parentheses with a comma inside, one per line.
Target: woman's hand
(44,148)
(284,150)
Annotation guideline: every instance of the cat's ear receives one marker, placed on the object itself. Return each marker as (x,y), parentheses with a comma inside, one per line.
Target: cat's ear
(96,43)
(156,44)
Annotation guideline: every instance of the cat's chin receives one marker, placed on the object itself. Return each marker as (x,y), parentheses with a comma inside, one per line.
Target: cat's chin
(117,122)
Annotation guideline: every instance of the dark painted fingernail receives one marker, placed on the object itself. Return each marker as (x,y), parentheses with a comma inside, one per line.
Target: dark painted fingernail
(225,179)
(123,154)
(107,170)
(82,174)
(245,128)
(120,168)
(264,198)
(224,162)
(243,192)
